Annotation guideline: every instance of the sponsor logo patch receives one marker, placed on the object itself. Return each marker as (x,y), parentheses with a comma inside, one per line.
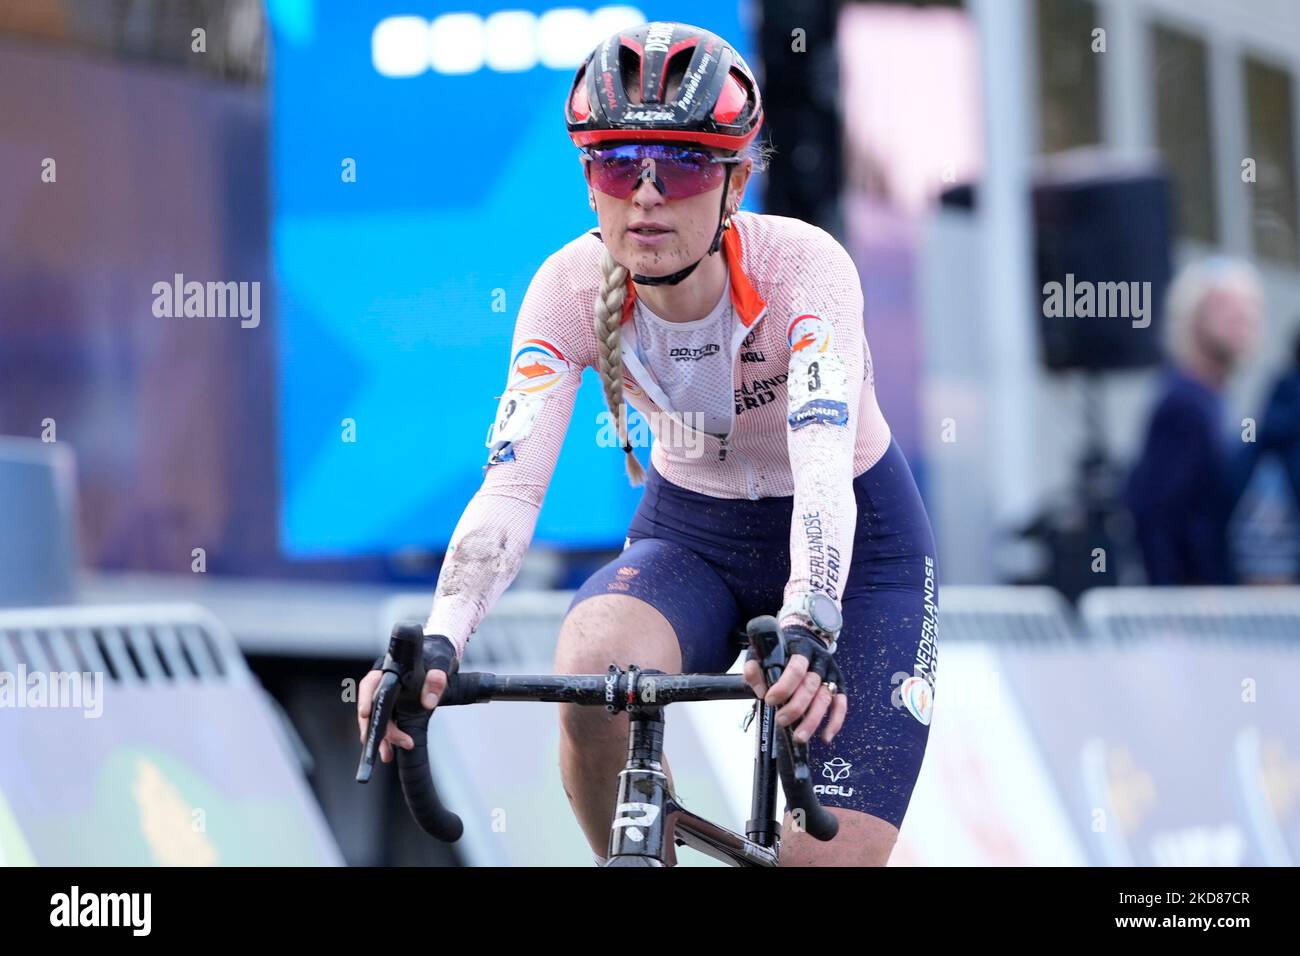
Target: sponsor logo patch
(658,36)
(503,452)
(647,116)
(918,697)
(818,390)
(809,333)
(837,768)
(537,366)
(703,351)
(819,410)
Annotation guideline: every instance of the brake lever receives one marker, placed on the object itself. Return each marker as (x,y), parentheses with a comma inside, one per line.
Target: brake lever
(403,669)
(767,641)
(381,712)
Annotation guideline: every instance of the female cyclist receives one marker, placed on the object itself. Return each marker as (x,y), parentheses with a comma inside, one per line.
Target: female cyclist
(790,493)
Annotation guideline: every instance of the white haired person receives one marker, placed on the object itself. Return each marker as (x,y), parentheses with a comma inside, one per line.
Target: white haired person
(778,488)
(1192,467)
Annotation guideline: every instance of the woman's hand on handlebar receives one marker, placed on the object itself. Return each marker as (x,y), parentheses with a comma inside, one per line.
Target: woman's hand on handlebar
(801,695)
(435,683)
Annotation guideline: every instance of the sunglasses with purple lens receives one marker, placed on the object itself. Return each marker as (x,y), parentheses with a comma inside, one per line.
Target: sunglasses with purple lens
(678,172)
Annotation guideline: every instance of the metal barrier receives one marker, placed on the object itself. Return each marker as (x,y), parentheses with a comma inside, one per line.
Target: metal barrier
(1265,613)
(129,644)
(1002,615)
(136,645)
(149,707)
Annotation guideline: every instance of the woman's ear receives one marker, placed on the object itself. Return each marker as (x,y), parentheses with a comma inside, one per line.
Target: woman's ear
(744,169)
(738,179)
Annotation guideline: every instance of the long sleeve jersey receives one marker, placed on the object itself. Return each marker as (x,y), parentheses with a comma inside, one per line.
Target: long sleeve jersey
(806,421)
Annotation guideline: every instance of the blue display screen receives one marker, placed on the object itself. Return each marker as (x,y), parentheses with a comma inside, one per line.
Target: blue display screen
(421,174)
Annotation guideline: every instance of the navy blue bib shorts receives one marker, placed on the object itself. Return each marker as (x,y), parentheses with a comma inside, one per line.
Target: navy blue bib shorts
(710,564)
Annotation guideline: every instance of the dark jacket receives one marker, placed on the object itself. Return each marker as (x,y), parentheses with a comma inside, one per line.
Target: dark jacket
(1185,485)
(1279,433)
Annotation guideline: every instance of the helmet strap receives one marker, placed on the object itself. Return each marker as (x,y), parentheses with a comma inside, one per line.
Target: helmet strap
(681,274)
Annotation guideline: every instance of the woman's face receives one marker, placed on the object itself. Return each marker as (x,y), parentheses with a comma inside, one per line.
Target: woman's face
(651,235)
(1229,324)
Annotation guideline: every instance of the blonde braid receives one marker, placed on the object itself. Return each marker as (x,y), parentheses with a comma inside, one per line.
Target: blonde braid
(609,365)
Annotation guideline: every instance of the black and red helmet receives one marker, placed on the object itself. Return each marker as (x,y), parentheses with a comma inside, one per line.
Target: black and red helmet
(716,104)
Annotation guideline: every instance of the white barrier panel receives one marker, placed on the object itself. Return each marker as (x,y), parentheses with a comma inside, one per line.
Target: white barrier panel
(136,735)
(1004,614)
(1178,751)
(984,797)
(1218,612)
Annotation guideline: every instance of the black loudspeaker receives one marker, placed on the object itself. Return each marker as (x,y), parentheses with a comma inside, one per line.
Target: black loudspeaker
(1102,247)
(1090,232)
(800,83)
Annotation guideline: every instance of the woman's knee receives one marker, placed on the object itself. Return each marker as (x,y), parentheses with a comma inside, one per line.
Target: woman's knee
(611,629)
(862,840)
(616,629)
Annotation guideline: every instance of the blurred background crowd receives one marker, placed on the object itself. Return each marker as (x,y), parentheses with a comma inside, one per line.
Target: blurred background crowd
(1076,224)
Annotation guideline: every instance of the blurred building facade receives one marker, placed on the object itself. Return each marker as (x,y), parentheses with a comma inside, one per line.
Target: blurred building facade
(1208,88)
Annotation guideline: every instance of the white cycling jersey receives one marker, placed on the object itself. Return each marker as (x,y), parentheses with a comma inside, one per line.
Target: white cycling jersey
(691,360)
(805,421)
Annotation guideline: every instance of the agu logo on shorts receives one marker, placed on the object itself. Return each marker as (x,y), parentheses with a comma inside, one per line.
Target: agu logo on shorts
(917,696)
(537,366)
(809,333)
(834,770)
(837,768)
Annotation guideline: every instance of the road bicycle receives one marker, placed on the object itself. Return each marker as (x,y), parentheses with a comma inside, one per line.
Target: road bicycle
(649,822)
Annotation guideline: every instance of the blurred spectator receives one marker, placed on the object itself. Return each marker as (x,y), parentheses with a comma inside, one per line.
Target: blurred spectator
(1279,438)
(1191,473)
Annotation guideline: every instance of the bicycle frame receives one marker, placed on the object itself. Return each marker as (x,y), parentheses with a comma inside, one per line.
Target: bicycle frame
(649,822)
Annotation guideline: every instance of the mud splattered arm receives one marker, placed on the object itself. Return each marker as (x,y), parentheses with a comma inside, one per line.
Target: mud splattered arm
(827,367)
(488,545)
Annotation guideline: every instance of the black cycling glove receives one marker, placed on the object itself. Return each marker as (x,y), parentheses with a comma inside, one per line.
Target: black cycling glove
(439,655)
(800,640)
